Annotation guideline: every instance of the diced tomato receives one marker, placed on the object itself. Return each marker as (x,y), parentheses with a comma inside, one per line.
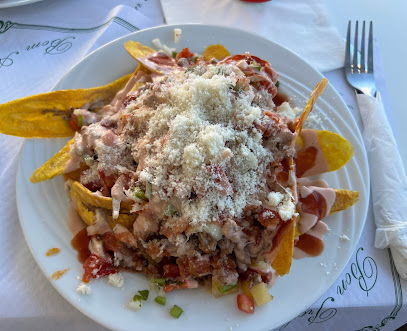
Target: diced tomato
(245,303)
(184,53)
(171,271)
(95,267)
(73,123)
(170,287)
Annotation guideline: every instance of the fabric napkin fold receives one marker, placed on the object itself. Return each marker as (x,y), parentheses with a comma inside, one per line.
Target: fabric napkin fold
(388,180)
(301,26)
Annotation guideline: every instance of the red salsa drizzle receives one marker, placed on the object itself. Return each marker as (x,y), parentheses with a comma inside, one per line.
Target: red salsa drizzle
(81,243)
(309,244)
(314,203)
(305,160)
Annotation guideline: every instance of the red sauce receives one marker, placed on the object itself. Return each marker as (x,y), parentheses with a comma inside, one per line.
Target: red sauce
(81,243)
(280,98)
(305,160)
(310,244)
(315,204)
(160,60)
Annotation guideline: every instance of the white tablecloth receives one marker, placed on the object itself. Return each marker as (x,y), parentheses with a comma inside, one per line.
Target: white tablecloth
(367,295)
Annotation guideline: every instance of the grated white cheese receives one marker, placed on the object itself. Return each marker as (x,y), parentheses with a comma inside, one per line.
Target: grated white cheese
(274,198)
(83,289)
(211,146)
(116,279)
(284,203)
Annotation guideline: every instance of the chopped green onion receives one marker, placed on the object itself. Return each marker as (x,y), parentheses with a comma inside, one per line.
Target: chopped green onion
(160,281)
(144,294)
(278,83)
(255,65)
(195,58)
(176,311)
(237,140)
(160,300)
(80,121)
(139,193)
(138,298)
(226,288)
(174,54)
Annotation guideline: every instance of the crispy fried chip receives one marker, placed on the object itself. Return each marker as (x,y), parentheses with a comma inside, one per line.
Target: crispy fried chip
(344,199)
(311,103)
(46,115)
(282,261)
(54,166)
(92,200)
(88,215)
(136,49)
(218,52)
(336,150)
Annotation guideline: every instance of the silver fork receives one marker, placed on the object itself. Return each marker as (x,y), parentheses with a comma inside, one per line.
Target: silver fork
(357,74)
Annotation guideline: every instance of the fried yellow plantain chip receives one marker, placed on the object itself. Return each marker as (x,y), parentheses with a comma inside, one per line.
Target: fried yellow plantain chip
(47,115)
(92,200)
(218,52)
(336,152)
(311,103)
(136,49)
(54,166)
(88,215)
(344,199)
(283,259)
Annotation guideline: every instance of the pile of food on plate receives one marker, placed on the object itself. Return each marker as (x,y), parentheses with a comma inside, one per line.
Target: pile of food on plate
(189,172)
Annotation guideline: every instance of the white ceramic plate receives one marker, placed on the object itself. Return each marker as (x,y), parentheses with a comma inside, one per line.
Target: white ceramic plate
(43,208)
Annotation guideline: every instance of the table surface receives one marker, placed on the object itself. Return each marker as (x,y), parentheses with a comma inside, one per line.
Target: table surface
(390,30)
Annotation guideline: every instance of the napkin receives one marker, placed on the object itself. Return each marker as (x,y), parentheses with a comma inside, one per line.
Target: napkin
(40,43)
(304,27)
(388,180)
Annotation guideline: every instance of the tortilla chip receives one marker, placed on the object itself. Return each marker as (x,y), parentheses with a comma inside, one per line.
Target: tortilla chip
(47,115)
(136,49)
(54,166)
(218,52)
(337,150)
(278,240)
(344,199)
(282,261)
(311,103)
(92,200)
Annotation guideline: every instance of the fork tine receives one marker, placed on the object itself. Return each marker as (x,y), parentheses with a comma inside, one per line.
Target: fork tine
(347,50)
(362,50)
(370,50)
(355,50)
